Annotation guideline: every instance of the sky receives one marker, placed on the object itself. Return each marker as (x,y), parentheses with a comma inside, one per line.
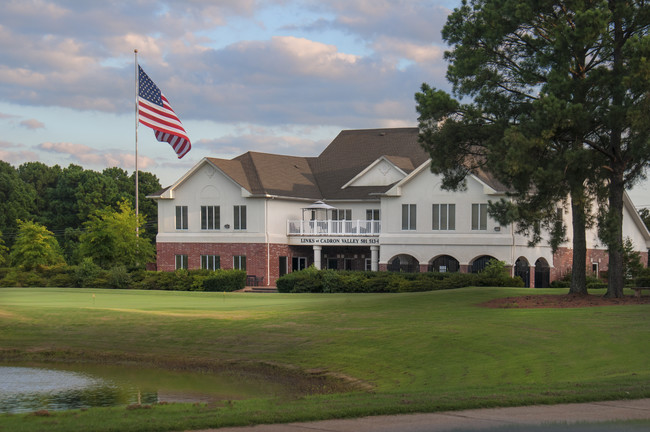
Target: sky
(276,76)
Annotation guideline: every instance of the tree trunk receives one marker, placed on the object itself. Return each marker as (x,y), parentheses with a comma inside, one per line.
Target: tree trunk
(579,270)
(614,218)
(616,278)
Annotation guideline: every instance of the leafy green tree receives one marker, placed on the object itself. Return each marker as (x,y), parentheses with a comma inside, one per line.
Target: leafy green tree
(4,252)
(35,246)
(110,239)
(64,211)
(16,199)
(123,182)
(540,107)
(148,184)
(94,192)
(42,179)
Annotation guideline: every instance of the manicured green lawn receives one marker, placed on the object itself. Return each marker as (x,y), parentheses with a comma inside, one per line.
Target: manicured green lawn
(406,352)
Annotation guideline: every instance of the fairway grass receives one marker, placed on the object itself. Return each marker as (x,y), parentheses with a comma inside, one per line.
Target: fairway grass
(392,353)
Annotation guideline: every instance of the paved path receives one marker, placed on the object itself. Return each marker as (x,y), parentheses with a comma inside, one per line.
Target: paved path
(471,420)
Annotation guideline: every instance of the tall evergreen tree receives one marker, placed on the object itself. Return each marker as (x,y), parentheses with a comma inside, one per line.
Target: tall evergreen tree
(534,73)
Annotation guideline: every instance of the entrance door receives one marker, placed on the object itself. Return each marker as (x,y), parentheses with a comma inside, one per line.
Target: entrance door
(298,263)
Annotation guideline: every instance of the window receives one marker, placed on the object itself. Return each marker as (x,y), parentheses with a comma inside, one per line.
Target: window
(181,217)
(479,216)
(372,214)
(210,217)
(298,263)
(444,217)
(408,216)
(210,262)
(343,214)
(240,217)
(239,262)
(368,264)
(181,261)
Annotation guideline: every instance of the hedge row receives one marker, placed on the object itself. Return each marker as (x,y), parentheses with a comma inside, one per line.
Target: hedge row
(333,281)
(89,275)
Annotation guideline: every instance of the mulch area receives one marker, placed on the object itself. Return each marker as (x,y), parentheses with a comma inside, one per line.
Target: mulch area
(562,301)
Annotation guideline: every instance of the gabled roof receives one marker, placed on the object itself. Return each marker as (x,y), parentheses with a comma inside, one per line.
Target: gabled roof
(323,177)
(354,150)
(388,169)
(270,174)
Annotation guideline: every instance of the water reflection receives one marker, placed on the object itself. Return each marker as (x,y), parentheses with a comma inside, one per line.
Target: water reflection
(62,387)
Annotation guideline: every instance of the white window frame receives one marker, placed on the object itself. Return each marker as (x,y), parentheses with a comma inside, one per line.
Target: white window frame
(210,262)
(237,261)
(239,217)
(479,217)
(409,217)
(342,214)
(373,214)
(210,218)
(180,261)
(443,217)
(181,218)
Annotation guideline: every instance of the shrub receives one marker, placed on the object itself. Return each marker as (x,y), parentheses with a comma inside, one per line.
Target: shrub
(62,277)
(496,274)
(20,278)
(332,281)
(223,280)
(458,280)
(561,283)
(643,278)
(307,280)
(86,273)
(119,278)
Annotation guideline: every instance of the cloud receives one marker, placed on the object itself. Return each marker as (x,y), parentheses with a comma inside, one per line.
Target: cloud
(15,153)
(234,145)
(7,116)
(81,57)
(417,21)
(32,124)
(97,158)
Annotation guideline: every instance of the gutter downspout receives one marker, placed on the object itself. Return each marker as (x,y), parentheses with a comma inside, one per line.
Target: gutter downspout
(268,245)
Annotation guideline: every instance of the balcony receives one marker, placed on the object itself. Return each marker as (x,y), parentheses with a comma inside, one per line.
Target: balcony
(361,228)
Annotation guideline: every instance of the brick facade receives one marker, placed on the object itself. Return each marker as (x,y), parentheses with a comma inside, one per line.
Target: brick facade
(257,256)
(263,261)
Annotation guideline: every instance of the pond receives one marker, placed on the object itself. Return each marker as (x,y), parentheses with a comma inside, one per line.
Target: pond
(33,387)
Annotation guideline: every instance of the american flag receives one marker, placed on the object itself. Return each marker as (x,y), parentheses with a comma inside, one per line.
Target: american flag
(155,112)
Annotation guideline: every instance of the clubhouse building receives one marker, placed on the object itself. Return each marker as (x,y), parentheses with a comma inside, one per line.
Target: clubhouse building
(367,202)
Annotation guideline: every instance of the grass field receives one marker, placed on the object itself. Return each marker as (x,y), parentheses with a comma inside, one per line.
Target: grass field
(403,352)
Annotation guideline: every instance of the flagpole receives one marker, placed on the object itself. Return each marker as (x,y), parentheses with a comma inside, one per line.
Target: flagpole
(137,228)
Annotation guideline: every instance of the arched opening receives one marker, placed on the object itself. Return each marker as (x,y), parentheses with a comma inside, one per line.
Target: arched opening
(542,274)
(522,269)
(479,263)
(404,263)
(444,264)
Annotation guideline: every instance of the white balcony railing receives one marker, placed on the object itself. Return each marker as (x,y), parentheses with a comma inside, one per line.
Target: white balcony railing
(333,227)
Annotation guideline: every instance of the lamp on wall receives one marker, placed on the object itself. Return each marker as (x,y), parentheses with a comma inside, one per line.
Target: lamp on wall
(226,226)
